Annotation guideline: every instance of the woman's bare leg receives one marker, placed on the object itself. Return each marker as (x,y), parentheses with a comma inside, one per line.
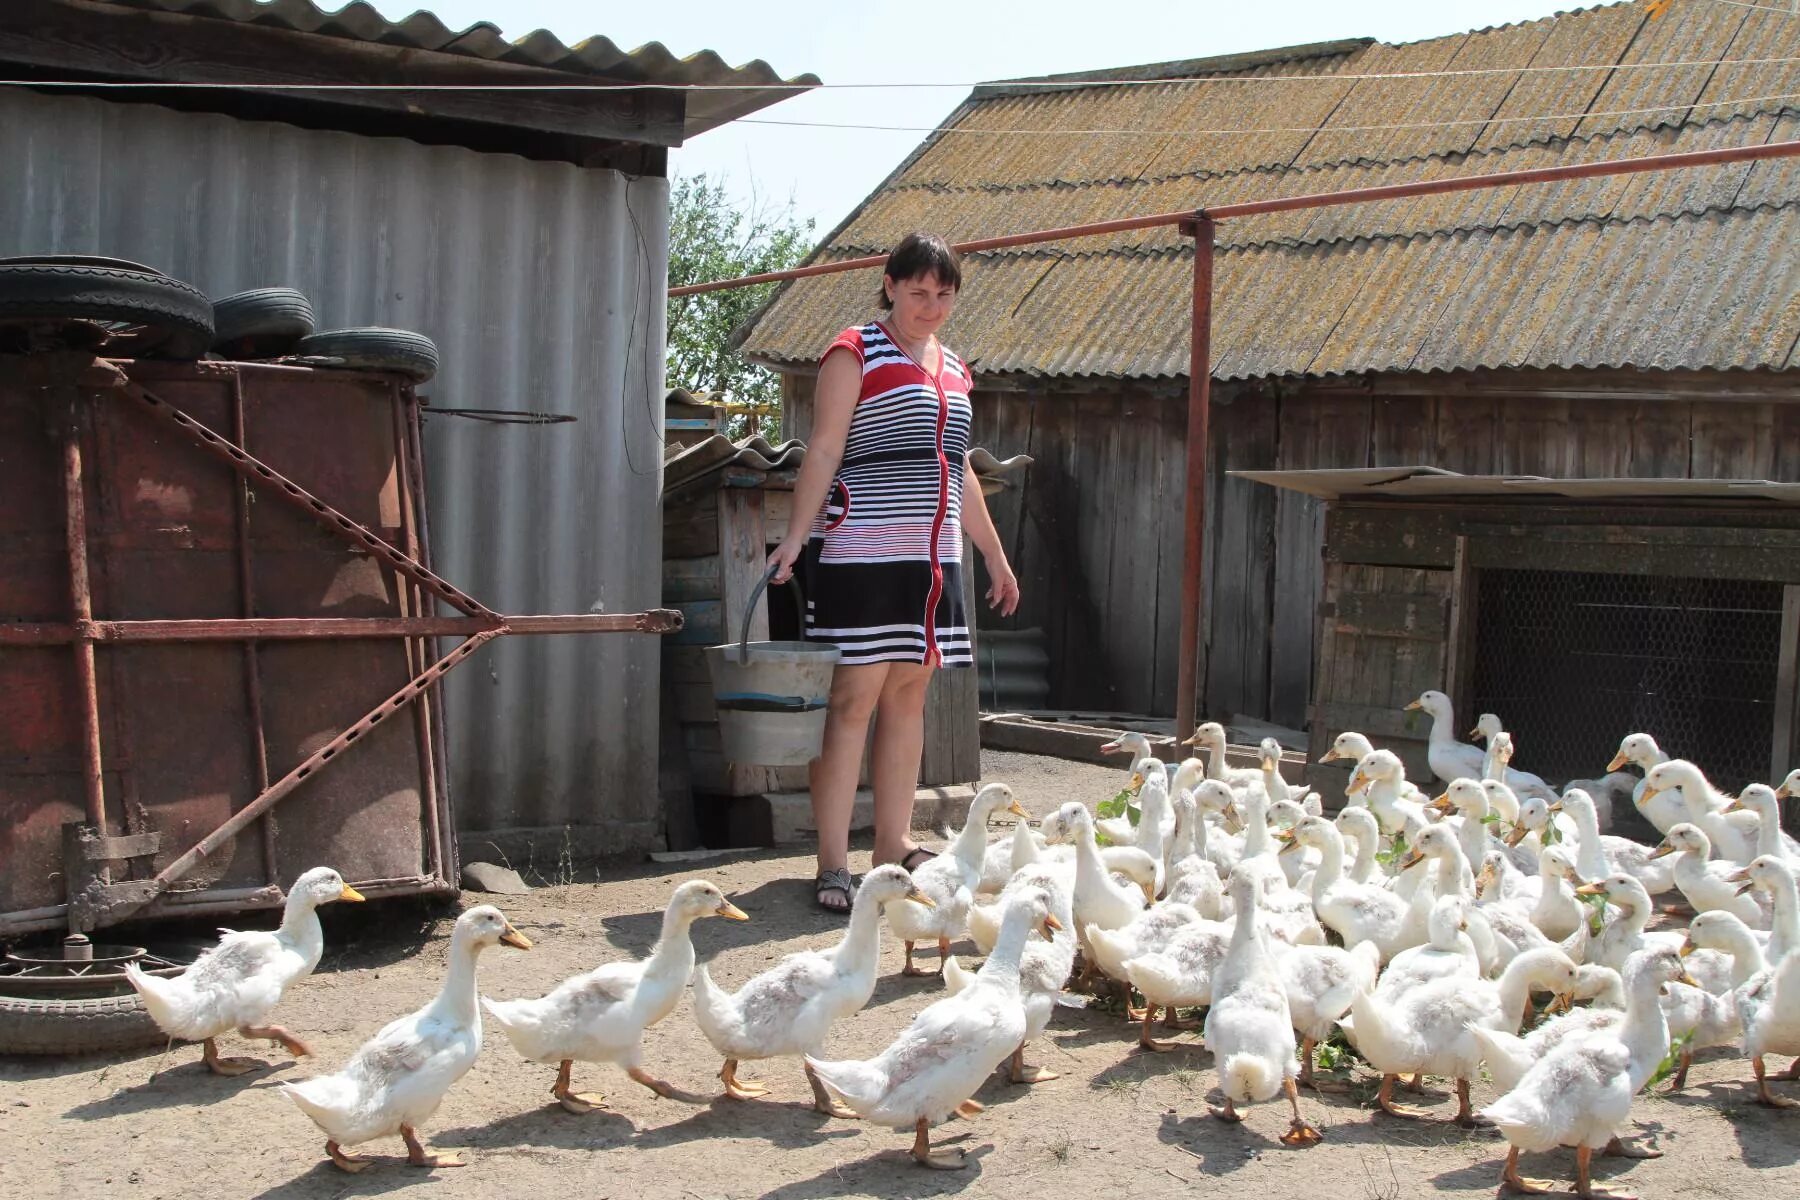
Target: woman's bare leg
(854,692)
(894,762)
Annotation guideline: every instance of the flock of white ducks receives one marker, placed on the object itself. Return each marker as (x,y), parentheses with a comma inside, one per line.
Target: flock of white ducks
(1420,926)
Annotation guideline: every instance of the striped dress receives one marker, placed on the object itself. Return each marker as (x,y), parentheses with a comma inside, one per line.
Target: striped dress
(883,567)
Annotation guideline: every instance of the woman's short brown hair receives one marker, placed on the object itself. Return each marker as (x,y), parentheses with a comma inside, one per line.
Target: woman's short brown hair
(922,254)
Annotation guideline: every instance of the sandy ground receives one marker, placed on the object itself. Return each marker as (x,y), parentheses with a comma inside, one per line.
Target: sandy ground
(1117,1122)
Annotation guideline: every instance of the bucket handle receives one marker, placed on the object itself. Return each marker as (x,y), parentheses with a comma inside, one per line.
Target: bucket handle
(750,609)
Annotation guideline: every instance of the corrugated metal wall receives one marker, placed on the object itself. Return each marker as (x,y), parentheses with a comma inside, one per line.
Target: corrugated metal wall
(543,285)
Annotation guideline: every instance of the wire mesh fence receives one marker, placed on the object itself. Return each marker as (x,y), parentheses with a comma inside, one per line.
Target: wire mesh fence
(1574,661)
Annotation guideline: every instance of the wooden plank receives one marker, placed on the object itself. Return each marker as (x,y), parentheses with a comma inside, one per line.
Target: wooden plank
(1393,537)
(169,47)
(691,530)
(1786,440)
(1170,458)
(1659,435)
(1468,435)
(1402,433)
(704,626)
(690,579)
(1732,441)
(1325,678)
(1598,534)
(1376,722)
(1772,564)
(1132,598)
(1238,620)
(743,559)
(1787,667)
(1535,438)
(1420,618)
(778,510)
(1600,430)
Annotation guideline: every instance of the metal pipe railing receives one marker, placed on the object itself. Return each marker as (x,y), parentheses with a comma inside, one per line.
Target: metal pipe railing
(1200,223)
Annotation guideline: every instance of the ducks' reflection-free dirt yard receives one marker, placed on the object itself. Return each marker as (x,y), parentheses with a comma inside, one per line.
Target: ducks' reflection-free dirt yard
(1117,1122)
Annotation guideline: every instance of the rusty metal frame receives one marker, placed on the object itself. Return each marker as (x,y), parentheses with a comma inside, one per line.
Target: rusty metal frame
(94,897)
(1199,223)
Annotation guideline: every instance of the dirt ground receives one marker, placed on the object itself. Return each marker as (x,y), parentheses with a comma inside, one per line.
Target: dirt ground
(1118,1122)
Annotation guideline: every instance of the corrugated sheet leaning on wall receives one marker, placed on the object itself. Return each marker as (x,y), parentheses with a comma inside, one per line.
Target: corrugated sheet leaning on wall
(543,285)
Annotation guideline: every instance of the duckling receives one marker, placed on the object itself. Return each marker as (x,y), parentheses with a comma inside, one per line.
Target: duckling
(1641,751)
(601,1015)
(789,1008)
(1043,968)
(936,1064)
(1598,855)
(1763,801)
(1706,883)
(1624,933)
(1733,836)
(1249,1026)
(238,983)
(399,1077)
(1425,1029)
(950,881)
(1380,777)
(1358,824)
(1356,912)
(1774,878)
(1321,981)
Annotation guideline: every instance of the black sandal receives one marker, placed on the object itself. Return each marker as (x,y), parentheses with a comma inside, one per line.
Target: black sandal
(909,864)
(834,881)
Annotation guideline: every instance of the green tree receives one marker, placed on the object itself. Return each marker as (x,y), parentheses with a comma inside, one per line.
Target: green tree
(710,238)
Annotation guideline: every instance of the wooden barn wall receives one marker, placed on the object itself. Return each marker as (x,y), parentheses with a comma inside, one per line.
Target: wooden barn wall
(1095,530)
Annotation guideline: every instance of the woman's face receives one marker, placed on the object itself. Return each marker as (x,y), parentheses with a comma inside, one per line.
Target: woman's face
(921,304)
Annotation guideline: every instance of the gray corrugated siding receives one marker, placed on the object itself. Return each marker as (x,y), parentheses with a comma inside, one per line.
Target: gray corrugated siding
(543,285)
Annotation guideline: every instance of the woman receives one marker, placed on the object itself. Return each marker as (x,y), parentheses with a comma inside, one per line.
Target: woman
(880,508)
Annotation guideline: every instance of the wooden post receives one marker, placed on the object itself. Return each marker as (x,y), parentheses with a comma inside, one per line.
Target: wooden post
(1782,742)
(1459,649)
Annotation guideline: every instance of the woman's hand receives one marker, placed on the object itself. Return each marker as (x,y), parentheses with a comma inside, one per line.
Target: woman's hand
(1003,585)
(786,555)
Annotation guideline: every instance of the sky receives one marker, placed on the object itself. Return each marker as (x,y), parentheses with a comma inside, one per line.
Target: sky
(825,173)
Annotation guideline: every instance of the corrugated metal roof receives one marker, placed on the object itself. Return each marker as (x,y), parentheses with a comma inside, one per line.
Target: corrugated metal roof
(594,56)
(1523,276)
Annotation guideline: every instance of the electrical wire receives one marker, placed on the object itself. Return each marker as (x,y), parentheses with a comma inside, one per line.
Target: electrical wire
(788,86)
(1053,131)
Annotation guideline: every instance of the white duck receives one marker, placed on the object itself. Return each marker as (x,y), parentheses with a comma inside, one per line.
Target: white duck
(1451,759)
(1043,967)
(1249,1027)
(1733,836)
(398,1078)
(1287,914)
(601,1015)
(1209,737)
(1353,747)
(789,1008)
(1188,860)
(1495,767)
(1770,1007)
(1774,878)
(1624,933)
(1180,973)
(1356,912)
(1508,1056)
(1146,774)
(1150,931)
(1212,800)
(1641,751)
(934,1067)
(1707,882)
(1425,1029)
(1360,826)
(950,881)
(1486,726)
(1447,953)
(1006,855)
(1321,981)
(237,983)
(1098,899)
(1556,910)
(1765,802)
(1598,855)
(1380,777)
(1475,818)
(1699,1020)
(1579,1095)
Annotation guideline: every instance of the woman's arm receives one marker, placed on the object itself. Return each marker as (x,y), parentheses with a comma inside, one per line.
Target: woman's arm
(1003,586)
(834,400)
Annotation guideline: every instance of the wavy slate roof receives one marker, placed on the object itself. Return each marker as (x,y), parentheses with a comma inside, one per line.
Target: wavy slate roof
(1691,269)
(594,56)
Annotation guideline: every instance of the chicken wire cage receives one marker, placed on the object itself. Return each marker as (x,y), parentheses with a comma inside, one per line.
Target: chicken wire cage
(1574,661)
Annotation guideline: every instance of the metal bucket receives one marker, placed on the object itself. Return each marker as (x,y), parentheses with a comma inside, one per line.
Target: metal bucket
(771,696)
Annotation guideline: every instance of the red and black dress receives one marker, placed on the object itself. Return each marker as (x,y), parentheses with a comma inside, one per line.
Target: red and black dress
(884,563)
